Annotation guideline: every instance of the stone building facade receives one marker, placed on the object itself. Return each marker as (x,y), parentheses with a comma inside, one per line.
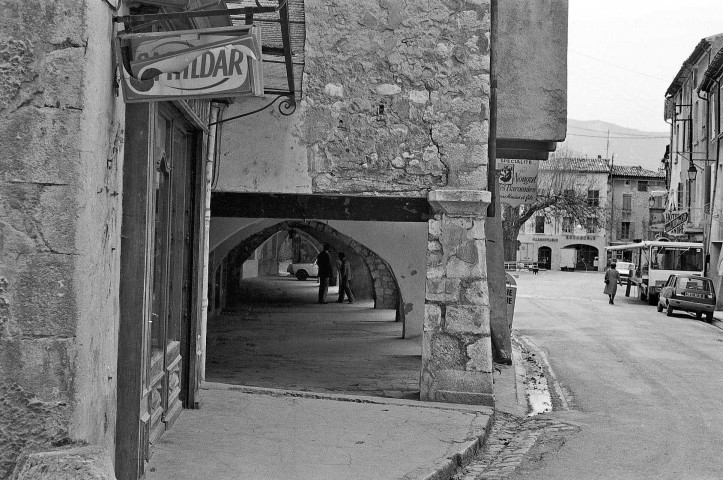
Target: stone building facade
(104,221)
(633,217)
(565,243)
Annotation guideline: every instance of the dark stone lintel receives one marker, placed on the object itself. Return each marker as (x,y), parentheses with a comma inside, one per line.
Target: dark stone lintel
(320,207)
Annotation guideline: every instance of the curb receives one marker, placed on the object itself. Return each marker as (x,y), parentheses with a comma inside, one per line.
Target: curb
(446,469)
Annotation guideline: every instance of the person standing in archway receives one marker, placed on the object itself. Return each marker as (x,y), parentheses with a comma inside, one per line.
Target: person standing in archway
(323,262)
(344,279)
(612,280)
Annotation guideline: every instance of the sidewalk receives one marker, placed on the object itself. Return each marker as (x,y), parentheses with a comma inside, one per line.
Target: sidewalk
(717,319)
(261,433)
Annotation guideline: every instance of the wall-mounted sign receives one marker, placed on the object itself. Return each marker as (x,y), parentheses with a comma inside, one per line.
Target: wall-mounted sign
(543,239)
(676,222)
(518,181)
(205,63)
(591,238)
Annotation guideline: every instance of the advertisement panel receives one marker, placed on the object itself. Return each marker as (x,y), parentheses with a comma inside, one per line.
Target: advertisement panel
(518,181)
(205,63)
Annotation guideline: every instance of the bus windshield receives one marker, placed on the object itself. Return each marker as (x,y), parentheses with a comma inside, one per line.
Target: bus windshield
(677,258)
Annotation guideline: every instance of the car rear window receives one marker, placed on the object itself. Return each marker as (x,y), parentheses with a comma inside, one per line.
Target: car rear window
(702,284)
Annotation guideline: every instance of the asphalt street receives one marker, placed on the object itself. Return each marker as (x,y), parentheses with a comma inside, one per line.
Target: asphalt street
(645,389)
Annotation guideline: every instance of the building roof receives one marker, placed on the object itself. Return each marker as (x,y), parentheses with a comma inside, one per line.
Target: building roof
(577,164)
(698,51)
(636,172)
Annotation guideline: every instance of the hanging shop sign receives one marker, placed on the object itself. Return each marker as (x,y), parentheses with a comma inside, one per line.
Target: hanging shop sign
(205,63)
(518,181)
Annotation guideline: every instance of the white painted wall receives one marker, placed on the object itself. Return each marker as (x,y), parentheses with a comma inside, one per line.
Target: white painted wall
(262,152)
(404,247)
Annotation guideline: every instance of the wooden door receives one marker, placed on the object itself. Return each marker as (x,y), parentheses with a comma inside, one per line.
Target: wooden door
(173,155)
(157,270)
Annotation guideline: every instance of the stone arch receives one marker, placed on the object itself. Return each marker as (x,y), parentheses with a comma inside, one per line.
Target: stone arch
(386,291)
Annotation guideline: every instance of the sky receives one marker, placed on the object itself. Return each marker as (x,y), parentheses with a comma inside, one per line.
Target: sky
(623,55)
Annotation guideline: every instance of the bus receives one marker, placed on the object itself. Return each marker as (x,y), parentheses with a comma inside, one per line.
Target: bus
(655,261)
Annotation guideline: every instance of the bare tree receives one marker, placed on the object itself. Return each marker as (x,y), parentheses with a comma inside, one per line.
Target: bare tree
(562,193)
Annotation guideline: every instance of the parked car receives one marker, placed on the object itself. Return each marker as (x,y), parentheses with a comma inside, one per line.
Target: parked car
(691,293)
(302,271)
(625,268)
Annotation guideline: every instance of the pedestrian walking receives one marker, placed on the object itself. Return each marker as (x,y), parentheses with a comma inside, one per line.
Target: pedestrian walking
(344,279)
(323,262)
(612,280)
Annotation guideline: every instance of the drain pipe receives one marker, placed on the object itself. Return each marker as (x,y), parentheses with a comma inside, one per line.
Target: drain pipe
(492,140)
(212,153)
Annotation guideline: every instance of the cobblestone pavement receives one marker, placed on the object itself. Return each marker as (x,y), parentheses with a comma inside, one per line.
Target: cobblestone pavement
(515,443)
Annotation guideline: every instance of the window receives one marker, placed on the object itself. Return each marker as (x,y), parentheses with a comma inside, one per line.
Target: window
(642,185)
(540,224)
(593,198)
(712,104)
(627,202)
(591,225)
(567,225)
(681,196)
(625,230)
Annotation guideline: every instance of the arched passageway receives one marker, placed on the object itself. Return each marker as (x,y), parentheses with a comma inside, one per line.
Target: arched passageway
(378,273)
(274,334)
(586,256)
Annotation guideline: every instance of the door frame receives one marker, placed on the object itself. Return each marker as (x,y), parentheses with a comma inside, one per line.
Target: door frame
(136,268)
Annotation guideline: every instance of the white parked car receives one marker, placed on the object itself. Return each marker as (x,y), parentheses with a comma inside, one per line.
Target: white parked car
(626,269)
(302,271)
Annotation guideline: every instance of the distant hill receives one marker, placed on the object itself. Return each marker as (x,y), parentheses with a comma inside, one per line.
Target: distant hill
(630,146)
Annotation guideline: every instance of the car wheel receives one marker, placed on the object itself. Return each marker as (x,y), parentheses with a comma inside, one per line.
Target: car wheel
(698,315)
(660,307)
(652,299)
(669,311)
(302,275)
(709,317)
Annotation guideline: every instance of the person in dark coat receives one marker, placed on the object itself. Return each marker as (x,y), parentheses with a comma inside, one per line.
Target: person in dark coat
(323,262)
(612,280)
(344,279)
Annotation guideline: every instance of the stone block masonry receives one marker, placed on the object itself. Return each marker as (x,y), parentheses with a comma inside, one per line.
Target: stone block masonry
(60,140)
(456,348)
(396,95)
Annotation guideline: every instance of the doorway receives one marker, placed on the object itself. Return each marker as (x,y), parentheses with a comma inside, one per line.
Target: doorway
(544,258)
(156,352)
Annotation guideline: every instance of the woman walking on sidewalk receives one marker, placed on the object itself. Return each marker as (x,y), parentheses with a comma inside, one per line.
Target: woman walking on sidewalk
(612,280)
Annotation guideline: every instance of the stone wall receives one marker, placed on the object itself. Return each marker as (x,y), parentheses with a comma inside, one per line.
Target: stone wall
(394,102)
(61,141)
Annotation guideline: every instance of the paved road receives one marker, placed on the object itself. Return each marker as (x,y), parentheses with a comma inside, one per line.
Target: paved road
(646,389)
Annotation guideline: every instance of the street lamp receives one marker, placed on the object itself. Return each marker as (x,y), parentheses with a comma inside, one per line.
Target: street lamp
(692,172)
